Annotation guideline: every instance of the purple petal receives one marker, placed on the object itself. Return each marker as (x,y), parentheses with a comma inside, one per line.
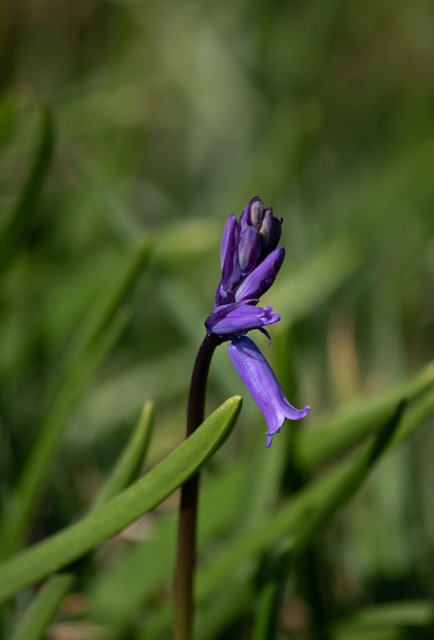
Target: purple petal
(261,278)
(231,272)
(270,231)
(237,318)
(249,249)
(253,213)
(263,386)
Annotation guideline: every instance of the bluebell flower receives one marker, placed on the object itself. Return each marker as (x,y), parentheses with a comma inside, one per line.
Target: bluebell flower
(250,262)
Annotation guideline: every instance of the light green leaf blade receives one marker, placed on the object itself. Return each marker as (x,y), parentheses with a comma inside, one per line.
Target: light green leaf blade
(352,480)
(298,294)
(58,551)
(346,427)
(287,523)
(121,591)
(132,458)
(45,605)
(410,613)
(94,341)
(264,621)
(31,483)
(43,608)
(104,309)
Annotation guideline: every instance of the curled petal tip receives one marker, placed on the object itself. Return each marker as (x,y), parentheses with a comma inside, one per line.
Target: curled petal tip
(263,385)
(262,277)
(238,318)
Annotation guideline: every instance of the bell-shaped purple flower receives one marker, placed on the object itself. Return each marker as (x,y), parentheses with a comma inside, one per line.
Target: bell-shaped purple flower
(250,261)
(238,318)
(263,386)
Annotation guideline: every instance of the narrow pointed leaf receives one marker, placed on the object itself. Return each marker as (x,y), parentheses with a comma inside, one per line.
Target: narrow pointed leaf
(132,458)
(43,608)
(348,486)
(284,526)
(95,339)
(348,426)
(410,613)
(100,315)
(119,593)
(68,545)
(46,603)
(292,514)
(34,474)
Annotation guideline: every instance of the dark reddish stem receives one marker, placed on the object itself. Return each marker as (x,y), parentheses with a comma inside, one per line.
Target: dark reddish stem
(183,587)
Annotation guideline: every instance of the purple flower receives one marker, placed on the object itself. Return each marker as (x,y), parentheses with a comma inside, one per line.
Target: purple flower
(250,262)
(239,317)
(263,386)
(249,259)
(262,277)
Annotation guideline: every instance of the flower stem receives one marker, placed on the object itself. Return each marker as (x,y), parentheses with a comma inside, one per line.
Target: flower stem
(186,548)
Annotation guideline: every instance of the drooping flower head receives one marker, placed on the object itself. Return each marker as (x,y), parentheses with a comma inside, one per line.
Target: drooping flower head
(250,262)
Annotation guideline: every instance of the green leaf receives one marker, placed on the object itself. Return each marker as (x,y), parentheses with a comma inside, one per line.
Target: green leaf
(348,485)
(97,336)
(291,516)
(20,215)
(56,552)
(43,608)
(120,591)
(288,522)
(45,605)
(132,458)
(34,474)
(298,294)
(265,613)
(411,613)
(101,314)
(349,425)
(210,622)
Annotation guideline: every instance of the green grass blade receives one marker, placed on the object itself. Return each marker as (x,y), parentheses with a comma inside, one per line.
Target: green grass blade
(348,486)
(287,523)
(291,516)
(104,309)
(298,294)
(43,608)
(411,613)
(348,426)
(132,458)
(58,551)
(264,628)
(19,217)
(46,604)
(96,337)
(119,593)
(211,621)
(24,501)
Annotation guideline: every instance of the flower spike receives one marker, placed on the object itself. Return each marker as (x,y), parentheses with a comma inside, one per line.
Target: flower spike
(250,262)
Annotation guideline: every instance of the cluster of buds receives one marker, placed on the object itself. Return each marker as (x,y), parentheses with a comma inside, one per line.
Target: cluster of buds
(250,262)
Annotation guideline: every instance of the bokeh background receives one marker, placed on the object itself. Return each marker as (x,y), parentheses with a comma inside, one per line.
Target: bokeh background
(163,118)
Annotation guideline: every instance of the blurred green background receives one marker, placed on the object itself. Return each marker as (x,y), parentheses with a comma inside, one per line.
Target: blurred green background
(162,119)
